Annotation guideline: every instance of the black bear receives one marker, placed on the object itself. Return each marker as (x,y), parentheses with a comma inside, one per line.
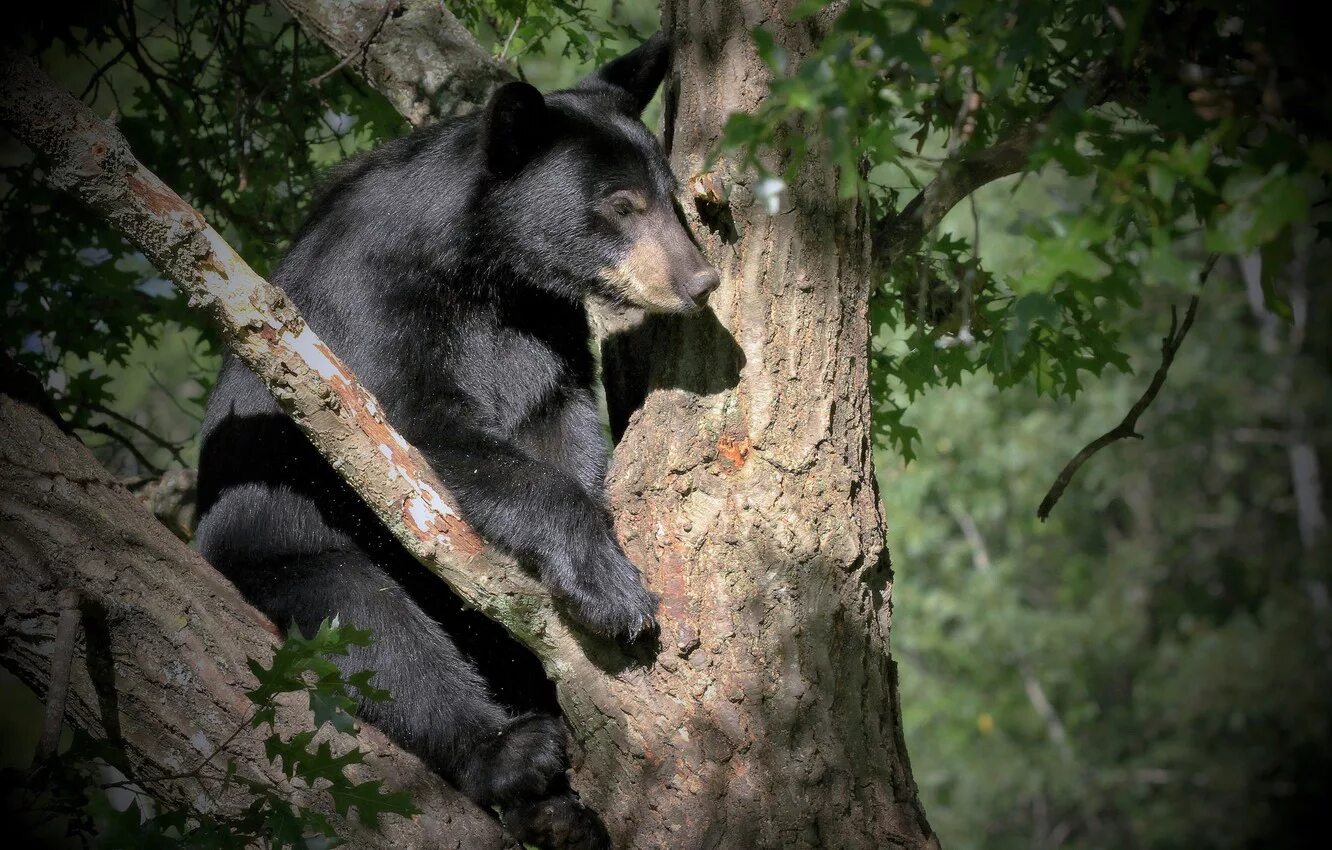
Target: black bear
(449,268)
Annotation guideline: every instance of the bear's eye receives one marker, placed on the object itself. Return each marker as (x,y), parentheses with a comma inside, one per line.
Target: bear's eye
(625,203)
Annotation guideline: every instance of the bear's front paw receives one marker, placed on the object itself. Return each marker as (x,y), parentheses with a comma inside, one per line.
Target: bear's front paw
(526,760)
(610,598)
(556,823)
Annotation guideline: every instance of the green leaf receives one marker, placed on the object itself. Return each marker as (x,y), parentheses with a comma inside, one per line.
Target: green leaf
(370,802)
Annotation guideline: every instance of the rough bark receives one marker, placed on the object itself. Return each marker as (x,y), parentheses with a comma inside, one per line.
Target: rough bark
(744,487)
(161,657)
(415,52)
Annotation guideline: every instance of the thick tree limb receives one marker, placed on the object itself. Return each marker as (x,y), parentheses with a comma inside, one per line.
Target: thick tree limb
(414,52)
(342,419)
(899,233)
(1128,427)
(159,664)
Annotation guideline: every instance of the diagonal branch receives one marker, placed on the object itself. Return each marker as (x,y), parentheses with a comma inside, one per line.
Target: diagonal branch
(1128,427)
(416,54)
(341,418)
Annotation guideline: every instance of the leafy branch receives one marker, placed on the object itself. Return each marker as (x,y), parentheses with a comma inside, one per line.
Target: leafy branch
(180,809)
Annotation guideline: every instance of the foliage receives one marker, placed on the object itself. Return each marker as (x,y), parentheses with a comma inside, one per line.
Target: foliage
(182,810)
(1187,127)
(1147,669)
(218,96)
(578,32)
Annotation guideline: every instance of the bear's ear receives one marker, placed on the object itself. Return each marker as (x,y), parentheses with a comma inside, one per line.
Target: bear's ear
(515,127)
(633,78)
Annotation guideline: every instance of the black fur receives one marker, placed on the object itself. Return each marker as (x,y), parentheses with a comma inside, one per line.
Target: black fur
(448,269)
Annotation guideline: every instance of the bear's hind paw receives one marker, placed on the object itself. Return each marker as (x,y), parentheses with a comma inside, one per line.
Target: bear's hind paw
(526,760)
(556,823)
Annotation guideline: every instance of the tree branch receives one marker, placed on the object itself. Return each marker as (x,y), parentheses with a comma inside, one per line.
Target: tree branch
(900,232)
(161,668)
(1128,427)
(340,417)
(416,54)
(897,234)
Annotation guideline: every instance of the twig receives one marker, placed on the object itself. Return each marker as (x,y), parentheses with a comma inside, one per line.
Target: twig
(364,49)
(128,444)
(173,447)
(504,52)
(62,659)
(1129,426)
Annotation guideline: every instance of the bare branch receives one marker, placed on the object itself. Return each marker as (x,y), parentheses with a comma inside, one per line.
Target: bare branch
(127,444)
(418,55)
(174,448)
(1128,427)
(390,6)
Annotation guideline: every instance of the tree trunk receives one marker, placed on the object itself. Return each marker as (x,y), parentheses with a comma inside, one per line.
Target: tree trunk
(160,667)
(744,488)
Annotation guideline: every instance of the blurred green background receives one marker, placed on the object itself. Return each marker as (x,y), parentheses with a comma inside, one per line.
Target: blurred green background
(1150,668)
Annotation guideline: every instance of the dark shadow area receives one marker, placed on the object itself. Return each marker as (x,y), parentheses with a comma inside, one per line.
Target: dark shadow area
(717,218)
(705,359)
(102,671)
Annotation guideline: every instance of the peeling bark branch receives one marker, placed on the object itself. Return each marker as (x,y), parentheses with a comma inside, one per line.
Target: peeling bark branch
(1128,427)
(415,53)
(62,657)
(342,419)
(159,665)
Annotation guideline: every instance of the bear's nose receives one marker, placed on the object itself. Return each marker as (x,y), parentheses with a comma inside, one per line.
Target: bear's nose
(702,283)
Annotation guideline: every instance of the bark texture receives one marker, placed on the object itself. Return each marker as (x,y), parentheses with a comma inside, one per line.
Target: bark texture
(415,52)
(744,487)
(160,664)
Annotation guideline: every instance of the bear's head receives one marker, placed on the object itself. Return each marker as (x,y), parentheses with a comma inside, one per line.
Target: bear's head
(584,191)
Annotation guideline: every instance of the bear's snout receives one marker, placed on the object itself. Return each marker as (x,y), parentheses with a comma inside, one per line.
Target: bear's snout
(701,285)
